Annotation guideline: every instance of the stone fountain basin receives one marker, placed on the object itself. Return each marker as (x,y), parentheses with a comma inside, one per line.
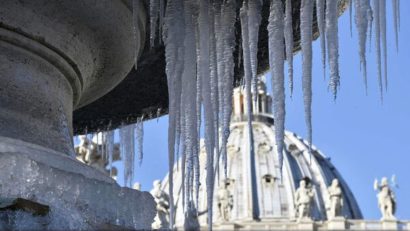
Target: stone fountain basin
(93,40)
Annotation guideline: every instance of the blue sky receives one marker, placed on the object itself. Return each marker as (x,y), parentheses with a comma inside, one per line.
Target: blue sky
(364,138)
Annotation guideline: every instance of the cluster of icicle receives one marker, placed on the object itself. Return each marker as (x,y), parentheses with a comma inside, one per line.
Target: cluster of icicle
(199,38)
(131,146)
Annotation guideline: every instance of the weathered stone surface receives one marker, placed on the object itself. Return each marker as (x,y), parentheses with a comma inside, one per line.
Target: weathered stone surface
(145,90)
(56,56)
(78,196)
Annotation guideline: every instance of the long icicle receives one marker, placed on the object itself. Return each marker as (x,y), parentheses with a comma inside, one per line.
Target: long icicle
(219,52)
(332,44)
(361,11)
(306,13)
(320,15)
(204,72)
(376,10)
(254,21)
(396,22)
(288,32)
(276,63)
(384,38)
(244,17)
(153,20)
(350,17)
(214,88)
(172,37)
(228,27)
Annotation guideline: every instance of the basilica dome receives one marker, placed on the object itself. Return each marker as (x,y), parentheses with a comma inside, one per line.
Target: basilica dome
(257,190)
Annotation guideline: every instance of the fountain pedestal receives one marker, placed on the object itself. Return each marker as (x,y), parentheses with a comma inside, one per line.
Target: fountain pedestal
(56,56)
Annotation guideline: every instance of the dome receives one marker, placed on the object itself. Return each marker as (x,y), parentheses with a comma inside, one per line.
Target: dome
(262,192)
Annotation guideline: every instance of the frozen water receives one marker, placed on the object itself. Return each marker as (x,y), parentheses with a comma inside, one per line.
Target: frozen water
(320,15)
(288,31)
(276,61)
(306,13)
(332,45)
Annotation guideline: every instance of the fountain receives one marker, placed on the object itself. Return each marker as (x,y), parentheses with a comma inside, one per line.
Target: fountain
(71,62)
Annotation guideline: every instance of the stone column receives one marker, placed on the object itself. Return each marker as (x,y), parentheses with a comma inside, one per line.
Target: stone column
(56,56)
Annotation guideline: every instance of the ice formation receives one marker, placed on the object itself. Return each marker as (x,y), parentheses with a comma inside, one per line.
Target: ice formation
(376,10)
(320,15)
(200,41)
(288,34)
(127,146)
(383,38)
(396,14)
(276,63)
(332,45)
(361,20)
(253,22)
(139,134)
(306,15)
(154,13)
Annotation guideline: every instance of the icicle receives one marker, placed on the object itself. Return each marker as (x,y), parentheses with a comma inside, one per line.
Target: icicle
(320,15)
(254,21)
(173,38)
(398,14)
(383,38)
(276,63)
(306,13)
(332,44)
(219,52)
(153,21)
(396,21)
(376,10)
(370,23)
(110,149)
(228,18)
(139,128)
(350,16)
(361,21)
(128,153)
(288,32)
(214,84)
(161,17)
(204,73)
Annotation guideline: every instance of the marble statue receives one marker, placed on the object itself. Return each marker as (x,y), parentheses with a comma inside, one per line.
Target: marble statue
(303,199)
(225,202)
(161,198)
(386,199)
(335,199)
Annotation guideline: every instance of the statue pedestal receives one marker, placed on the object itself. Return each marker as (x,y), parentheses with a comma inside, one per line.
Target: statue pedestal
(306,224)
(337,223)
(389,224)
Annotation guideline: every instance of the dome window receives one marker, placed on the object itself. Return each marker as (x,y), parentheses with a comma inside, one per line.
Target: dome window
(268,179)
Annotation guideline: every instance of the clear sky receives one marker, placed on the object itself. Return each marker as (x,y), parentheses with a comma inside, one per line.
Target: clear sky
(364,138)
